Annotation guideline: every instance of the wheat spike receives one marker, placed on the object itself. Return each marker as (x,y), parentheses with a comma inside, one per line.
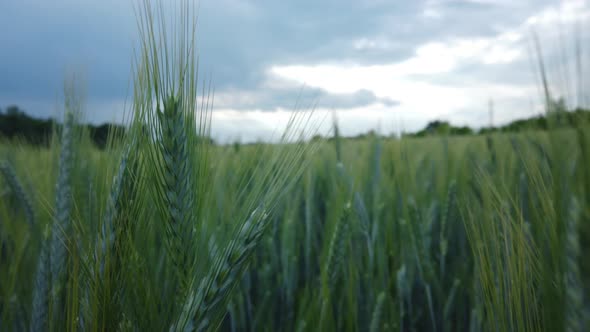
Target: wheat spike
(63,200)
(18,190)
(205,308)
(337,250)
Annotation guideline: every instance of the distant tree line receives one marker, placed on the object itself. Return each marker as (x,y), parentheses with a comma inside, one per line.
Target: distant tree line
(559,117)
(442,128)
(16,124)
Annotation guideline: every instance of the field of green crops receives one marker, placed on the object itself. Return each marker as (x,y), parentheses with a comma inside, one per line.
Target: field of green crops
(163,231)
(442,234)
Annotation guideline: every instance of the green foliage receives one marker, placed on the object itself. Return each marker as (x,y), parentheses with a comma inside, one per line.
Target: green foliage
(443,128)
(15,124)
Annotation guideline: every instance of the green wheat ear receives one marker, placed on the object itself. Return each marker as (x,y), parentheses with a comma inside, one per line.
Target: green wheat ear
(40,305)
(19,191)
(108,232)
(176,188)
(177,157)
(177,163)
(206,307)
(58,252)
(63,199)
(336,251)
(51,265)
(106,256)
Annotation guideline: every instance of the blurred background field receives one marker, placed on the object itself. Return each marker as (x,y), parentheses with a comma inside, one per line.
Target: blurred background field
(438,233)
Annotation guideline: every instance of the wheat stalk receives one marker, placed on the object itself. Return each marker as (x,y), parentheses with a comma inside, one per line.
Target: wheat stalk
(18,190)
(377,313)
(573,286)
(447,215)
(40,306)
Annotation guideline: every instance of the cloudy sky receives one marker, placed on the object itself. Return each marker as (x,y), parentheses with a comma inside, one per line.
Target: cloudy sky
(386,65)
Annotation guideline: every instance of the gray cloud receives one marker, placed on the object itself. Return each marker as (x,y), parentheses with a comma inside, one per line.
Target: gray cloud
(239,40)
(289,97)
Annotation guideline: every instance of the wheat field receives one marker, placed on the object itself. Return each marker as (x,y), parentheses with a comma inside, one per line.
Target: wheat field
(163,230)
